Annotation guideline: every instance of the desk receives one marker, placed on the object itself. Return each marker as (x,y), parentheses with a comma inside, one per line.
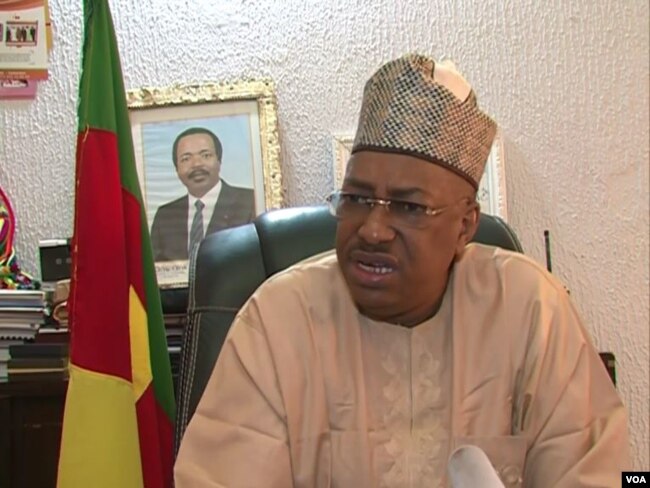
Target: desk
(31,417)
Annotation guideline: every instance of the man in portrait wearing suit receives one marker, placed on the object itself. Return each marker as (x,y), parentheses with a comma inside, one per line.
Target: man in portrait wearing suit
(211,204)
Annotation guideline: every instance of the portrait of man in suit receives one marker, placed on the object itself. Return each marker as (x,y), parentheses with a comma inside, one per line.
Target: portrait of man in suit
(210,203)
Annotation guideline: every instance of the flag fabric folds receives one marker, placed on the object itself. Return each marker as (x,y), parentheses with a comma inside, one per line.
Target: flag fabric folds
(119,411)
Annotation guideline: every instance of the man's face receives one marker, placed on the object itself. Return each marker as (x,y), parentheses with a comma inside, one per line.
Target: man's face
(197,165)
(395,272)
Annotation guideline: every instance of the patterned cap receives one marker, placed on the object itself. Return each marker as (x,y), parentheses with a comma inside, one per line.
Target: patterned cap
(416,107)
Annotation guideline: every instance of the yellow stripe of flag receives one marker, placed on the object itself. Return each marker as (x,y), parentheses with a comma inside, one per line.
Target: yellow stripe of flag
(139,335)
(114,441)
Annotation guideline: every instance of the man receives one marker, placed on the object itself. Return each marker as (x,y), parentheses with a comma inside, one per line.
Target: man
(367,367)
(211,204)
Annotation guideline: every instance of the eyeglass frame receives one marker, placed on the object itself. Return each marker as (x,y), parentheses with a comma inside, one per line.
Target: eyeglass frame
(370,202)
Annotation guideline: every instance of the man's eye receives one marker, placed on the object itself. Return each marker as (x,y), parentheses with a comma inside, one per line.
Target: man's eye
(408,207)
(354,199)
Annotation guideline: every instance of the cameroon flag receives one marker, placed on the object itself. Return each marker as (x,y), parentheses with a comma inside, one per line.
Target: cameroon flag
(119,410)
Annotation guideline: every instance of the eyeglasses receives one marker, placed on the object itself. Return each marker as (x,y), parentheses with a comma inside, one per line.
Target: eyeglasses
(346,205)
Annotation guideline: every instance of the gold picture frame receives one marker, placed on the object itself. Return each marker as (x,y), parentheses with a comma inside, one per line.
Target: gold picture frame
(243,117)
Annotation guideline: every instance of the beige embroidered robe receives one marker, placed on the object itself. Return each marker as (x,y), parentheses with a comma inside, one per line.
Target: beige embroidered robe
(309,393)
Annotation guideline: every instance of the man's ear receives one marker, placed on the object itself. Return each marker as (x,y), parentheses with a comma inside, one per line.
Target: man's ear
(468,226)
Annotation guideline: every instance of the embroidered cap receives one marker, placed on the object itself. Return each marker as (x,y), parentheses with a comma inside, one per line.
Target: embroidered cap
(415,106)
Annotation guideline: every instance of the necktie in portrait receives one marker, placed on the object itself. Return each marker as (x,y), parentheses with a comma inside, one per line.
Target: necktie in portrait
(196,231)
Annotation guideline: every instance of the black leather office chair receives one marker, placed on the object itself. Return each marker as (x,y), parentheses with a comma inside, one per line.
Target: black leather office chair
(232,263)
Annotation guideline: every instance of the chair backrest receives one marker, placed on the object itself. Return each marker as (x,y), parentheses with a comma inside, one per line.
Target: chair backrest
(232,263)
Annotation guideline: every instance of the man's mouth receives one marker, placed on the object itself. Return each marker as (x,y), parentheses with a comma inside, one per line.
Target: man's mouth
(375,268)
(199,174)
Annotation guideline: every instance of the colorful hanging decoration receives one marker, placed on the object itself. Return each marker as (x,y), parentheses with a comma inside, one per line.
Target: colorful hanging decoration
(11,276)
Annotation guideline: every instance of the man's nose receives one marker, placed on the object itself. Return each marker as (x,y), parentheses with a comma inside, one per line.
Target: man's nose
(196,160)
(376,227)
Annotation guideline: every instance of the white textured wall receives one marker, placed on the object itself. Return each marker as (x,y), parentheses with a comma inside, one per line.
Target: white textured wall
(566,80)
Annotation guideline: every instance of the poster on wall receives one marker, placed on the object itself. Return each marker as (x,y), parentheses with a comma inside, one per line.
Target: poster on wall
(23,39)
(491,193)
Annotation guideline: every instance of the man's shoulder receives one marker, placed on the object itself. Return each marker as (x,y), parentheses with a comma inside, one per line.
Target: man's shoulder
(170,212)
(179,202)
(288,298)
(311,273)
(508,294)
(491,264)
(312,280)
(237,202)
(236,190)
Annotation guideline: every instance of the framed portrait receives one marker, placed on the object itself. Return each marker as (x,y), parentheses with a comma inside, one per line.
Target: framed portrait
(208,158)
(492,188)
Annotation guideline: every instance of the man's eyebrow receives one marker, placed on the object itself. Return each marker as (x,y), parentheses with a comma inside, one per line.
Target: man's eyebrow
(358,184)
(189,153)
(407,192)
(396,192)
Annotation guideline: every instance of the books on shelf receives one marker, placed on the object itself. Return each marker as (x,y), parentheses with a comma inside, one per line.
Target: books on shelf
(175,320)
(58,375)
(21,313)
(22,298)
(34,346)
(37,361)
(47,335)
(18,331)
(4,359)
(39,350)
